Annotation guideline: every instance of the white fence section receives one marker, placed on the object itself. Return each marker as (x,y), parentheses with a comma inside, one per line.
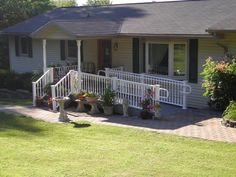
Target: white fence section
(65,86)
(94,83)
(177,89)
(61,71)
(133,91)
(38,87)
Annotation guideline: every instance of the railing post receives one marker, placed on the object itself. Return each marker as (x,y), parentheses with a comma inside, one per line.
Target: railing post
(114,83)
(142,77)
(51,75)
(107,72)
(157,92)
(72,82)
(54,106)
(79,76)
(184,95)
(34,93)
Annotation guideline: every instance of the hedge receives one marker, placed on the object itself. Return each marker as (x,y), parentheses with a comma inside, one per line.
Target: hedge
(13,81)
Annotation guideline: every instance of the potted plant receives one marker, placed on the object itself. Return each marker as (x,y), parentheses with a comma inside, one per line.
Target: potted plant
(91,97)
(147,106)
(108,101)
(80,96)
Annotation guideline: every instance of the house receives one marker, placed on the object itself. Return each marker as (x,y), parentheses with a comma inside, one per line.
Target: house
(169,39)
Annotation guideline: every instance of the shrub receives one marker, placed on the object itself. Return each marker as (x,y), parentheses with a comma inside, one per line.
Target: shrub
(219,82)
(230,112)
(13,81)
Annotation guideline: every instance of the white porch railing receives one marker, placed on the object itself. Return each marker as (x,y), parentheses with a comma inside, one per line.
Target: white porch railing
(38,87)
(133,91)
(177,89)
(94,83)
(61,71)
(64,87)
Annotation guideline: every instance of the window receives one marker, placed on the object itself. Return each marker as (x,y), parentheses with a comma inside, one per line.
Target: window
(158,58)
(24,46)
(180,58)
(72,49)
(167,58)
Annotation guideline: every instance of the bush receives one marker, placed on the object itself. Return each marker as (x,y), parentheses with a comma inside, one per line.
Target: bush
(230,112)
(13,81)
(219,82)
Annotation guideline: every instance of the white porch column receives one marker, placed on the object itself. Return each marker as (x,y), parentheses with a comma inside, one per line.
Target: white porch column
(44,56)
(146,57)
(79,55)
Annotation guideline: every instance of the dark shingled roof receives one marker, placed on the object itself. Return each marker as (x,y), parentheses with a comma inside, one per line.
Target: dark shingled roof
(165,18)
(227,24)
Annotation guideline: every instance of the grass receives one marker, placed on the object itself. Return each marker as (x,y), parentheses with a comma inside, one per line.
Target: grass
(18,102)
(34,148)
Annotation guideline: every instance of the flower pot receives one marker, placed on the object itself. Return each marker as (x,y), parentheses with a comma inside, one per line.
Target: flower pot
(91,99)
(146,115)
(108,110)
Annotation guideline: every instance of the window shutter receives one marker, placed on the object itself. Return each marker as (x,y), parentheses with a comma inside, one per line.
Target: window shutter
(63,52)
(30,47)
(135,55)
(193,60)
(81,51)
(17,45)
(144,57)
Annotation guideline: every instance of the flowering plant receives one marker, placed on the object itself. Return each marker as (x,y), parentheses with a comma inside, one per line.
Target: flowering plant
(147,102)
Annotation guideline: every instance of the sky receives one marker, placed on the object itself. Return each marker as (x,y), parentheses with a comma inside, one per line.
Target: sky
(82,2)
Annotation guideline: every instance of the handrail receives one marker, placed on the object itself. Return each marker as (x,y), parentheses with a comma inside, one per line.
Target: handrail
(177,90)
(42,76)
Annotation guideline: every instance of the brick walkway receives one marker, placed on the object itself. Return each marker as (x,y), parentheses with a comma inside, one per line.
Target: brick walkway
(190,123)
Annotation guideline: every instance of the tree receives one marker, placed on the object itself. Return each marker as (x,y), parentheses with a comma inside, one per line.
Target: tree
(98,2)
(64,3)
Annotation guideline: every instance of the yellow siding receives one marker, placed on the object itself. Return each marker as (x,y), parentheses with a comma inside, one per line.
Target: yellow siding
(123,55)
(208,48)
(90,51)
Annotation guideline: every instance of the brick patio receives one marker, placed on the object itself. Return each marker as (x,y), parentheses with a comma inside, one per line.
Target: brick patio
(195,123)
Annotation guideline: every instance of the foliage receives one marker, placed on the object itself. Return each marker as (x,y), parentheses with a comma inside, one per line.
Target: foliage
(147,102)
(80,95)
(48,89)
(219,82)
(98,2)
(230,112)
(13,81)
(90,94)
(36,148)
(64,3)
(108,97)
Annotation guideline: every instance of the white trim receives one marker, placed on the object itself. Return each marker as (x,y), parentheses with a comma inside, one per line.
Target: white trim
(79,55)
(44,55)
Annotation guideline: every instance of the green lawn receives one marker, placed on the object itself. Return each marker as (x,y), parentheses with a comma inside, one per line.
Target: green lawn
(35,148)
(19,102)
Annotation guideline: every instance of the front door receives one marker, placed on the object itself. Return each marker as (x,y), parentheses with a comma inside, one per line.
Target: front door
(104,54)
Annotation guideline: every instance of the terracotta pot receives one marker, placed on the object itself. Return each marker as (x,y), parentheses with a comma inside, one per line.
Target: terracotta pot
(92,99)
(146,115)
(108,110)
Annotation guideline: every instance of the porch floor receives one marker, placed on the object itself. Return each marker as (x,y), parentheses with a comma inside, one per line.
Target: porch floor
(195,123)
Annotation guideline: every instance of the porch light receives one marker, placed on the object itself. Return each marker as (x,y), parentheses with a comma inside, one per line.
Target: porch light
(115,46)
